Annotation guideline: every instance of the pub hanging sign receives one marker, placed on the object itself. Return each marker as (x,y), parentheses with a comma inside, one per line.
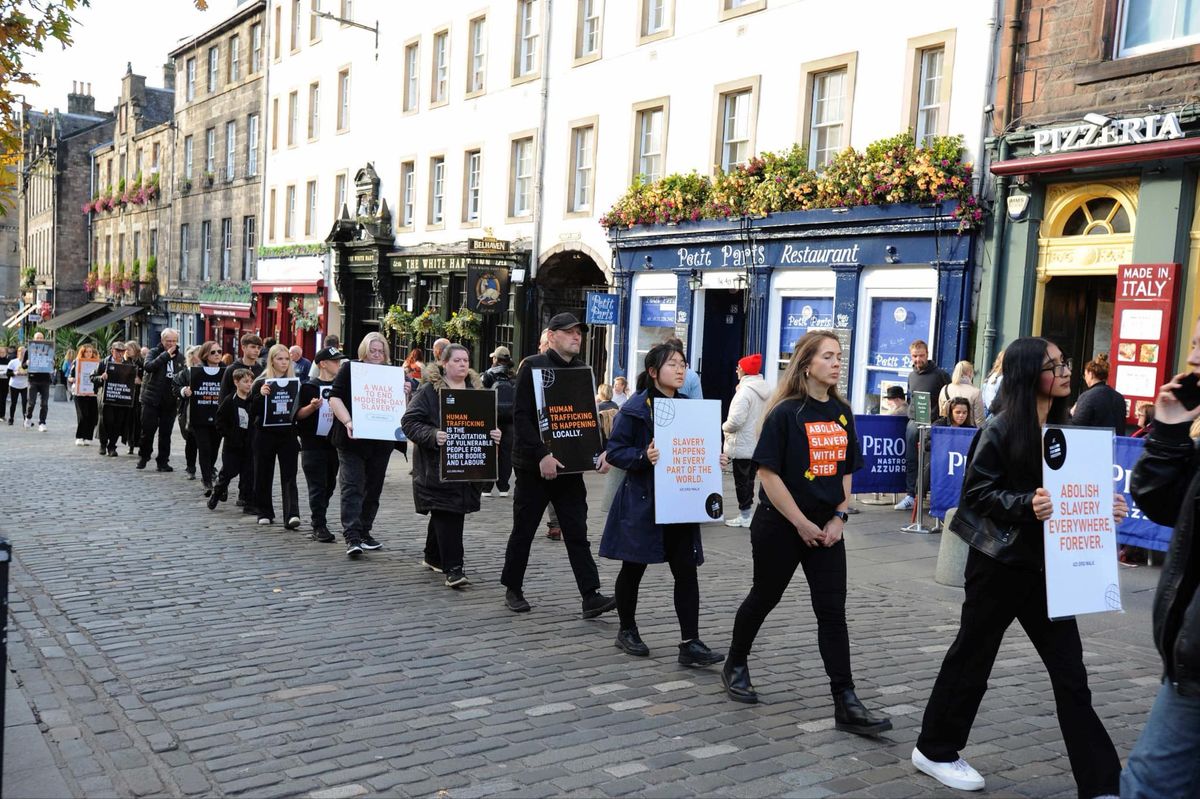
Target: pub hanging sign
(487,289)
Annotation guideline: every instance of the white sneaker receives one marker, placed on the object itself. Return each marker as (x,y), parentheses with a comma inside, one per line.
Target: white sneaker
(264,520)
(904,504)
(503,494)
(41,428)
(738,521)
(87,442)
(491,494)
(28,423)
(958,775)
(79,442)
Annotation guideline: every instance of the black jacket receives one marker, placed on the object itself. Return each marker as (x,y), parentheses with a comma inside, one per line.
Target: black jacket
(932,380)
(1100,406)
(422,419)
(229,423)
(528,447)
(1166,486)
(156,384)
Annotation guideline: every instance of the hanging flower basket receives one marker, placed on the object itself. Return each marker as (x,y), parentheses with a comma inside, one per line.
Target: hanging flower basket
(428,323)
(302,318)
(464,325)
(398,320)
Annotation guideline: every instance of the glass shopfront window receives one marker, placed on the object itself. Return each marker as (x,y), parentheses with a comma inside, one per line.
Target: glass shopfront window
(895,322)
(656,323)
(798,315)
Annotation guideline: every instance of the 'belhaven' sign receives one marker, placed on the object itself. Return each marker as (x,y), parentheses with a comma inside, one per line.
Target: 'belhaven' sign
(488,245)
(1098,131)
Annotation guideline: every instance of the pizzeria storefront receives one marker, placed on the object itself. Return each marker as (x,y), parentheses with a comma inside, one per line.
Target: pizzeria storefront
(880,276)
(1101,220)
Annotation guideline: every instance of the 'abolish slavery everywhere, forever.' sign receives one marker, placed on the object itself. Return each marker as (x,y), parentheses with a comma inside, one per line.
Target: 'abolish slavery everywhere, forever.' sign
(566,408)
(687,477)
(468,418)
(1080,538)
(377,399)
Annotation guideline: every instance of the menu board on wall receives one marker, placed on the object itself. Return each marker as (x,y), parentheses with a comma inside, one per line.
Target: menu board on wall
(1141,338)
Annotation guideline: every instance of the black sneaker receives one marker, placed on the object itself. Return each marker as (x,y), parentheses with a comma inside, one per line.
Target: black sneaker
(353,548)
(455,578)
(515,601)
(596,604)
(241,503)
(370,543)
(112,453)
(695,653)
(322,534)
(629,642)
(213,499)
(165,468)
(141,464)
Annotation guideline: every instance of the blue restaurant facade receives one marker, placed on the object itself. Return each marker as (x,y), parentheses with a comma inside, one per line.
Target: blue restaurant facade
(880,276)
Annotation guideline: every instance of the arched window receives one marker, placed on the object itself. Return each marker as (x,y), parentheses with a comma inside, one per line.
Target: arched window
(1099,216)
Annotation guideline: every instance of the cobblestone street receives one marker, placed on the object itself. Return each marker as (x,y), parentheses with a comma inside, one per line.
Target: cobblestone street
(168,650)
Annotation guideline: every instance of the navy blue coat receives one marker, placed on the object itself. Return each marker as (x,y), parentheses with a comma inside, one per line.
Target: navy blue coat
(630,532)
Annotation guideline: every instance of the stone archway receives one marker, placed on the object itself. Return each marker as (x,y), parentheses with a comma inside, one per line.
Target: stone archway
(566,274)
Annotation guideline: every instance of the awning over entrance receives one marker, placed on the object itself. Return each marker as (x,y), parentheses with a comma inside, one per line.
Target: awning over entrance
(19,316)
(75,315)
(234,309)
(291,287)
(1154,151)
(115,315)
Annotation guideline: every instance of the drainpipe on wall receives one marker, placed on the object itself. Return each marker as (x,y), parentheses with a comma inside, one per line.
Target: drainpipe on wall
(539,184)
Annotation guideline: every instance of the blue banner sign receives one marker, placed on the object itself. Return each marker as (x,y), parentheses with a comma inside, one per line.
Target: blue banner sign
(798,315)
(601,308)
(947,464)
(658,312)
(881,439)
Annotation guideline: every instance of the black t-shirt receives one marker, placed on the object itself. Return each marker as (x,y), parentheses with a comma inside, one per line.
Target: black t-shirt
(227,386)
(811,445)
(307,427)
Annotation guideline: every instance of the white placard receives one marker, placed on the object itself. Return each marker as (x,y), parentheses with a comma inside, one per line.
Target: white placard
(687,477)
(325,412)
(1141,323)
(377,400)
(1080,538)
(1137,381)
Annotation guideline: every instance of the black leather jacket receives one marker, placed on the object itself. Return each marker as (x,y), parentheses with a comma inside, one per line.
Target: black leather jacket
(1166,485)
(156,386)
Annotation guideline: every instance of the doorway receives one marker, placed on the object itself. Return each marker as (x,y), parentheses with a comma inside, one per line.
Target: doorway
(721,344)
(563,282)
(1077,315)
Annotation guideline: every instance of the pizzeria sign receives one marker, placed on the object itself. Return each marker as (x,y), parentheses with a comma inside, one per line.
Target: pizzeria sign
(1097,131)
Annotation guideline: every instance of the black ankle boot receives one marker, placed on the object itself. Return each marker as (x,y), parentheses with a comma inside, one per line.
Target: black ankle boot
(736,679)
(849,715)
(629,642)
(695,653)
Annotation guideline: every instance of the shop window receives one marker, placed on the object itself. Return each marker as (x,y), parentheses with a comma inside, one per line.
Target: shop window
(895,323)
(1150,25)
(798,315)
(656,322)
(1100,216)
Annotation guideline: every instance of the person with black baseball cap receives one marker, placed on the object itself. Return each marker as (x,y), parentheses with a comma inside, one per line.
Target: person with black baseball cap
(539,484)
(318,458)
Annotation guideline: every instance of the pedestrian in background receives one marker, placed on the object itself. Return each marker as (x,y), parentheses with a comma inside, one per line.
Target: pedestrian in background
(991,385)
(620,390)
(630,532)
(962,385)
(300,364)
(87,412)
(274,443)
(806,454)
(929,378)
(413,365)
(895,403)
(1005,581)
(501,379)
(1100,405)
(318,458)
(4,359)
(741,433)
(133,424)
(18,386)
(604,400)
(250,345)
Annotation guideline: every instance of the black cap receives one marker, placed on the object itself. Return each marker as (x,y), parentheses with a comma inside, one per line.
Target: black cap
(895,392)
(566,321)
(329,354)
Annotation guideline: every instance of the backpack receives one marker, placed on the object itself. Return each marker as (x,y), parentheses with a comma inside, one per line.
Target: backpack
(506,394)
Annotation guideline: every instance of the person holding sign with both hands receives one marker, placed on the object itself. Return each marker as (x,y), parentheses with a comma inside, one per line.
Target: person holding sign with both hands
(446,502)
(273,440)
(202,418)
(318,458)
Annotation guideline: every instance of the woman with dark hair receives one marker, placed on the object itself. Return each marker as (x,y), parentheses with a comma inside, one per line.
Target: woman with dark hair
(202,430)
(1002,493)
(1100,405)
(631,534)
(806,453)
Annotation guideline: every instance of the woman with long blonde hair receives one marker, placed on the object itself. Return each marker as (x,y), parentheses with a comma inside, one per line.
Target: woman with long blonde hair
(805,455)
(87,412)
(274,443)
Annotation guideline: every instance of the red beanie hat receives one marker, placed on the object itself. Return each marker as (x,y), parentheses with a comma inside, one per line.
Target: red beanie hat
(751,364)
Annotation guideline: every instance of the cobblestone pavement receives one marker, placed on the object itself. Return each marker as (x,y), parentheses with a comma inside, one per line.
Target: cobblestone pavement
(169,650)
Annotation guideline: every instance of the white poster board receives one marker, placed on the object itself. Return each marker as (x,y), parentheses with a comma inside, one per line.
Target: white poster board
(1080,538)
(377,400)
(325,412)
(687,477)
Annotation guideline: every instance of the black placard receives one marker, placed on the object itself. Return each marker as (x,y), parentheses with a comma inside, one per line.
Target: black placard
(487,288)
(279,405)
(118,385)
(468,417)
(566,407)
(206,395)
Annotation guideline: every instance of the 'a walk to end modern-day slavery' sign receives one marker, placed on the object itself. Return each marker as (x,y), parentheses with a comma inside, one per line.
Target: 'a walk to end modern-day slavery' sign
(687,477)
(377,400)
(1080,537)
(566,407)
(468,418)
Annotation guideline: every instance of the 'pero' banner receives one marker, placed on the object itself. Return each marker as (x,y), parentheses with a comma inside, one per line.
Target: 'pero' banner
(881,439)
(687,477)
(947,466)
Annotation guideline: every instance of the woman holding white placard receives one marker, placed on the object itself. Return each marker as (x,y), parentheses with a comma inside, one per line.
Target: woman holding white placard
(1001,515)
(630,533)
(273,443)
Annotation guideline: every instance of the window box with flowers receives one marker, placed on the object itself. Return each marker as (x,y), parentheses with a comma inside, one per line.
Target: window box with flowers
(91,282)
(303,318)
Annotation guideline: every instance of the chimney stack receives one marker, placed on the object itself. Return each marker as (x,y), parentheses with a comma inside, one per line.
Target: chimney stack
(80,100)
(169,76)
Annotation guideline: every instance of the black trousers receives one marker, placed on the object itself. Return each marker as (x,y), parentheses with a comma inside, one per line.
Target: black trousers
(504,465)
(997,594)
(15,394)
(677,545)
(270,446)
(444,540)
(87,413)
(320,475)
(568,494)
(363,467)
(37,390)
(207,440)
(189,447)
(158,419)
(245,487)
(235,460)
(113,425)
(3,396)
(744,472)
(778,550)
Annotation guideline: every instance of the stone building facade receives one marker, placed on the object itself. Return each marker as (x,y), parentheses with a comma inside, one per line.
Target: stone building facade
(218,167)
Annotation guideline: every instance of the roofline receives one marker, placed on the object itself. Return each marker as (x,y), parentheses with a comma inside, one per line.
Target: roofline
(238,16)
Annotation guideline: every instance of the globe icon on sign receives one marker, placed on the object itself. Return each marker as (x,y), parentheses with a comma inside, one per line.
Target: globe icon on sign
(664,413)
(1112,597)
(547,378)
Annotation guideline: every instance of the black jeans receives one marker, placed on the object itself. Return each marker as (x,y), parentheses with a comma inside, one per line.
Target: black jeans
(189,447)
(444,540)
(504,465)
(320,475)
(15,394)
(3,396)
(363,467)
(744,472)
(157,419)
(207,439)
(245,486)
(235,460)
(87,413)
(270,446)
(997,594)
(114,424)
(568,495)
(677,546)
(38,390)
(778,550)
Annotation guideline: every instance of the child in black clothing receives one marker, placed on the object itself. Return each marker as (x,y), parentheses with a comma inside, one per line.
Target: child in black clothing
(233,420)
